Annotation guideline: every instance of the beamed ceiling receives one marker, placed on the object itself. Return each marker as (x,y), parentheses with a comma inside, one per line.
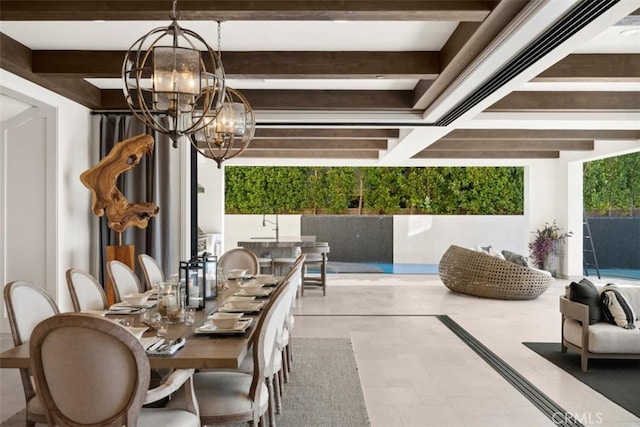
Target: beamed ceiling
(397,83)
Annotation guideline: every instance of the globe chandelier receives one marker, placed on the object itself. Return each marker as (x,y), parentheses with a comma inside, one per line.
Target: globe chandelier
(227,132)
(172,70)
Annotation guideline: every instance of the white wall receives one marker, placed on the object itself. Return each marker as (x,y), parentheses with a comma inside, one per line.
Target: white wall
(211,202)
(75,236)
(423,239)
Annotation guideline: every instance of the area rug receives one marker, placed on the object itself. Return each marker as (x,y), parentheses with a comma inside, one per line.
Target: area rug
(616,379)
(323,390)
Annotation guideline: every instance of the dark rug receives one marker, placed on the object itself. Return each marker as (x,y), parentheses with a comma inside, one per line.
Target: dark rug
(323,390)
(616,379)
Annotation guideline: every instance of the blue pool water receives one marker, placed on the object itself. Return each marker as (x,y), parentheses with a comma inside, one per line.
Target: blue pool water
(377,267)
(405,268)
(625,273)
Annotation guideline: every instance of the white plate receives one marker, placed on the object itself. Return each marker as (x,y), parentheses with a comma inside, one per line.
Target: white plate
(96,312)
(125,305)
(239,277)
(260,292)
(253,308)
(210,328)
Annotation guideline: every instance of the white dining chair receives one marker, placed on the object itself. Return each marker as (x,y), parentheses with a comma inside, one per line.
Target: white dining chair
(239,258)
(151,270)
(85,291)
(236,397)
(91,371)
(124,279)
(27,305)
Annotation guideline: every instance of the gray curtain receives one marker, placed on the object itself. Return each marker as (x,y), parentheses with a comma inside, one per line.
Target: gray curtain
(149,181)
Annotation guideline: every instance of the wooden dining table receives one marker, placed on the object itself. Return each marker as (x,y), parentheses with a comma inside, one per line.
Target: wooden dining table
(200,351)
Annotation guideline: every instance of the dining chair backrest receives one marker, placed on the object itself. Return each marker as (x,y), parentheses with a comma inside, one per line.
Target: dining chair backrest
(151,270)
(89,371)
(85,290)
(239,258)
(124,279)
(263,342)
(27,305)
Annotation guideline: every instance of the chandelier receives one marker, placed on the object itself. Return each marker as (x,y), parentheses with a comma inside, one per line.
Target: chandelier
(227,132)
(172,70)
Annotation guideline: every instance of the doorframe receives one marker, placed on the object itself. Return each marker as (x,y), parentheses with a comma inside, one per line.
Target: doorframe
(49,114)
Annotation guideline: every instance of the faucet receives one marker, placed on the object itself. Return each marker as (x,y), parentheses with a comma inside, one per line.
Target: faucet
(277,229)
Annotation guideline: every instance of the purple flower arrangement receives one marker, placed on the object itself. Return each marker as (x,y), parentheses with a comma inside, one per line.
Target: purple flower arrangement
(546,241)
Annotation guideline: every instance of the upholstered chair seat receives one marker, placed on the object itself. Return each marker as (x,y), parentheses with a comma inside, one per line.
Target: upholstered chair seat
(91,371)
(27,305)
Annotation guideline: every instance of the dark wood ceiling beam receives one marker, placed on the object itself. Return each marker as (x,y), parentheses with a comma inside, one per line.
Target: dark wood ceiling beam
(511,145)
(571,101)
(339,133)
(113,99)
(318,144)
(291,65)
(311,154)
(224,10)
(540,134)
(479,154)
(16,58)
(498,19)
(593,68)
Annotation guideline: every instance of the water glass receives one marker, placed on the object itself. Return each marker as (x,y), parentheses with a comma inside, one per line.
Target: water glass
(190,316)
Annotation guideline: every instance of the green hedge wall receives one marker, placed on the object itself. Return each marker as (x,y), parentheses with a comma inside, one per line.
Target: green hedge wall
(612,186)
(374,190)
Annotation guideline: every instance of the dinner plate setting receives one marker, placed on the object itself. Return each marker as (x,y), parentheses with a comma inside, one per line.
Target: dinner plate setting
(251,308)
(209,328)
(258,293)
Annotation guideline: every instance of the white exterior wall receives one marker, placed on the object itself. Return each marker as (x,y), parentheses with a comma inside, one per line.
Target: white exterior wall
(423,239)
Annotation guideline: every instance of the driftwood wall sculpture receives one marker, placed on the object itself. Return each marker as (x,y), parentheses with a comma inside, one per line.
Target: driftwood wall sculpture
(106,198)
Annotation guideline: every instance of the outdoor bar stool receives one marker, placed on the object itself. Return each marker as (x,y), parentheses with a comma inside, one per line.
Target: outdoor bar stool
(317,258)
(265,265)
(280,266)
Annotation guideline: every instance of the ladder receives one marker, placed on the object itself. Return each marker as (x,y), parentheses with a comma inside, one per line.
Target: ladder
(589,258)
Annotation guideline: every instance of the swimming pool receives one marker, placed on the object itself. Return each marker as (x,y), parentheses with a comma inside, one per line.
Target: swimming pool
(378,267)
(625,273)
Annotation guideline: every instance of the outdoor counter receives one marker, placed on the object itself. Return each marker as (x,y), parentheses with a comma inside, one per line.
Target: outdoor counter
(284,247)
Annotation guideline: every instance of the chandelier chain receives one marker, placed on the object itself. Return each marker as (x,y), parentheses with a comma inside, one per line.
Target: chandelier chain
(219,39)
(174,11)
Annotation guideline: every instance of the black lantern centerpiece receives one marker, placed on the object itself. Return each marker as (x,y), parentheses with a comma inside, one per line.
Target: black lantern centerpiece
(199,276)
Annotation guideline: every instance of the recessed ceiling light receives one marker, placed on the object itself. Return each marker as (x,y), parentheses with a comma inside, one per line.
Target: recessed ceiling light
(340,21)
(630,32)
(99,21)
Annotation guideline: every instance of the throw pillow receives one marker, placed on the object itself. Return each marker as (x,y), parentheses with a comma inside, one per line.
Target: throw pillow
(616,308)
(482,249)
(585,292)
(515,258)
(495,253)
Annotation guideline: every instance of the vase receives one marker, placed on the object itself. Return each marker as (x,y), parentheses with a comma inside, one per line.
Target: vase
(551,262)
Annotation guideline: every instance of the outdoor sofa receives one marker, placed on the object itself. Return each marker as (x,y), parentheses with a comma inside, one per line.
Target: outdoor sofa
(476,273)
(587,331)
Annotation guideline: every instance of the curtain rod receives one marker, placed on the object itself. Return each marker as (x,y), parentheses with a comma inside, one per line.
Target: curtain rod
(304,124)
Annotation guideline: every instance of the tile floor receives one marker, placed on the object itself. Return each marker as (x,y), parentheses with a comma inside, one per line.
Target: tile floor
(414,371)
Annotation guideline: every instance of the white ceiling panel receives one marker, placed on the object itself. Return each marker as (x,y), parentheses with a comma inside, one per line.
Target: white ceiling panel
(240,35)
(581,86)
(616,39)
